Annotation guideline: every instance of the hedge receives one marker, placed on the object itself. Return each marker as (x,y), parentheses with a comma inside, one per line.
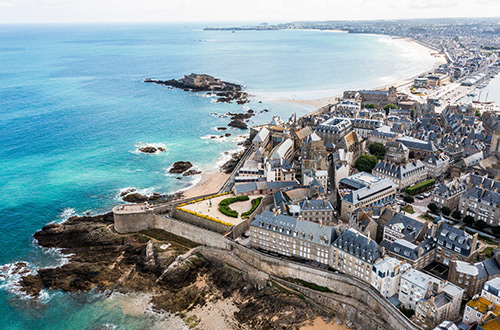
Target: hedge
(419,187)
(224,205)
(255,204)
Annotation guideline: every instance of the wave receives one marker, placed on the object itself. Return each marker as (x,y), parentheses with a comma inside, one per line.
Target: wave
(11,275)
(218,138)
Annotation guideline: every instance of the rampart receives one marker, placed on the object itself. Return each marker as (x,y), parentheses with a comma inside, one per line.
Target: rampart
(355,302)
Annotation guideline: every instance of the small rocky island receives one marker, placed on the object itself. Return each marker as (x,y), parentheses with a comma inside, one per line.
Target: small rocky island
(225,91)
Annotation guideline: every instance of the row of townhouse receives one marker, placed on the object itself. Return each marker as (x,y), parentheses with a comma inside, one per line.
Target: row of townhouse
(352,253)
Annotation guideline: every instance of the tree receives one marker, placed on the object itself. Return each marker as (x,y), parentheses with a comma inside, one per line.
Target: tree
(408,199)
(370,106)
(469,220)
(496,230)
(480,224)
(388,108)
(446,210)
(433,208)
(366,163)
(457,215)
(377,149)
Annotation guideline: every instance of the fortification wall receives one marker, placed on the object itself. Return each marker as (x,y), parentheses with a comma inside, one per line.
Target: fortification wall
(200,222)
(191,232)
(134,222)
(359,303)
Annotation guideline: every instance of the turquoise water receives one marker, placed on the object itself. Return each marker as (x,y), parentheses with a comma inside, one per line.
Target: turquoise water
(74,109)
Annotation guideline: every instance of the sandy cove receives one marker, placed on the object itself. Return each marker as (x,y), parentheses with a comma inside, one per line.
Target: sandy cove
(209,183)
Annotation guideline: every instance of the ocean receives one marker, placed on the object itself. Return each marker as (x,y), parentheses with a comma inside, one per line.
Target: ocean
(74,110)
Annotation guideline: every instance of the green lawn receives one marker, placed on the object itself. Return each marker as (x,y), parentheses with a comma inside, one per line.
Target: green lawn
(408,209)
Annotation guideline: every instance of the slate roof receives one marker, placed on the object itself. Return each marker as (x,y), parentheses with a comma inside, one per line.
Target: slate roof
(413,143)
(452,238)
(358,245)
(316,204)
(410,227)
(399,171)
(305,230)
(491,198)
(408,250)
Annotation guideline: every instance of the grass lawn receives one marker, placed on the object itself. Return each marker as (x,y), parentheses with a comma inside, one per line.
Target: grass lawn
(408,209)
(488,251)
(427,217)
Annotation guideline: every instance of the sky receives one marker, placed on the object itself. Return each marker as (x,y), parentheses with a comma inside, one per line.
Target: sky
(256,11)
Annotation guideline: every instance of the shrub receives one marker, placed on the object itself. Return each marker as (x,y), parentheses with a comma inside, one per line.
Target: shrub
(433,208)
(255,204)
(377,149)
(370,106)
(496,230)
(419,187)
(224,205)
(457,215)
(365,163)
(408,199)
(446,210)
(480,224)
(469,220)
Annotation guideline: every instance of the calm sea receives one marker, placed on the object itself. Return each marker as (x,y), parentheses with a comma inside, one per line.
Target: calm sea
(74,109)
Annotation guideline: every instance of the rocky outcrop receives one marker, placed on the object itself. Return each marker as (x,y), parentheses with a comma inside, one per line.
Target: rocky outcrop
(237,123)
(229,166)
(191,172)
(132,196)
(226,92)
(180,167)
(180,280)
(151,149)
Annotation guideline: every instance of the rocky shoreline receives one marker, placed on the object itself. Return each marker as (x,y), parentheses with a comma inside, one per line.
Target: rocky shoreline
(180,278)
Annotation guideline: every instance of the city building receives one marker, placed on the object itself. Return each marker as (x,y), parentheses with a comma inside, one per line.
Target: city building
(402,226)
(290,236)
(362,190)
(481,204)
(355,254)
(386,275)
(403,175)
(317,210)
(478,309)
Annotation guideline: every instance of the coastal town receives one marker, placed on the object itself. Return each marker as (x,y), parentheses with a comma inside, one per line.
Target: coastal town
(381,207)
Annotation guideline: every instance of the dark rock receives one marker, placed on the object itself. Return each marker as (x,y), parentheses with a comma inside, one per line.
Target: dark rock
(221,128)
(238,123)
(180,167)
(128,191)
(135,198)
(227,134)
(191,172)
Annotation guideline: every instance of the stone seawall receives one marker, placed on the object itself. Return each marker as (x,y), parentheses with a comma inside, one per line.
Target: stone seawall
(354,301)
(191,232)
(200,222)
(359,304)
(134,221)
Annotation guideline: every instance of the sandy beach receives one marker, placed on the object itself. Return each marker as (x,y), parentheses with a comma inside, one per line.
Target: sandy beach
(320,102)
(319,324)
(209,183)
